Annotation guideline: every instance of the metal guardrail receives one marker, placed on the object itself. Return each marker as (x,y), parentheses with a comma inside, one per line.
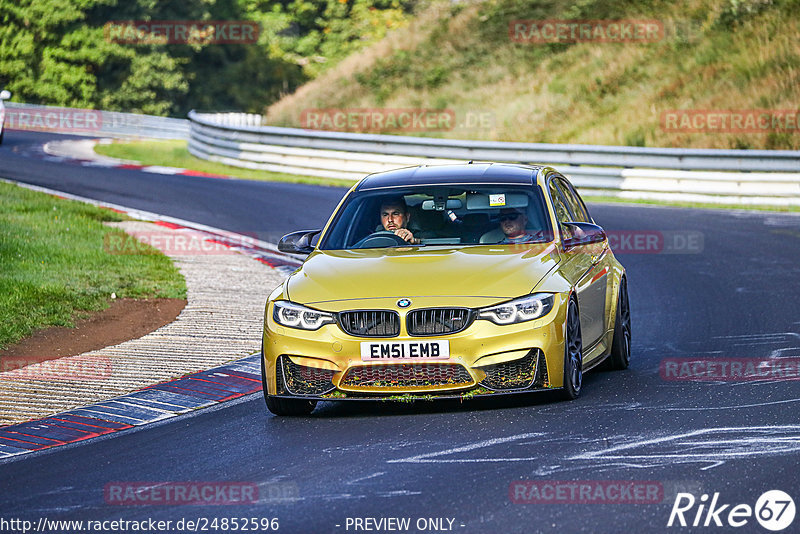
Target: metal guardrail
(92,122)
(749,177)
(618,156)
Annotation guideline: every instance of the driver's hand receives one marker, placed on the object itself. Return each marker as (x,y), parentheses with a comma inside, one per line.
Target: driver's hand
(406,235)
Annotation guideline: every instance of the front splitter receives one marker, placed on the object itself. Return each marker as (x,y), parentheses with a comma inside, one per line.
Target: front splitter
(409,397)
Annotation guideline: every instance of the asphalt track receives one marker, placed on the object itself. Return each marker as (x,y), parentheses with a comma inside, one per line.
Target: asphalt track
(738,297)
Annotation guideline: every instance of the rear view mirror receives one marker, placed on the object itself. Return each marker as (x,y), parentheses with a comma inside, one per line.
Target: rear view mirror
(452,204)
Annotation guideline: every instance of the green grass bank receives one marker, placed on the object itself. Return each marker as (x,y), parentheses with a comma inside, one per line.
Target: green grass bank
(54,267)
(710,55)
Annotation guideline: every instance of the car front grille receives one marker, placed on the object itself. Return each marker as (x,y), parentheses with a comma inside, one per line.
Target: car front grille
(406,375)
(435,321)
(303,380)
(516,374)
(370,323)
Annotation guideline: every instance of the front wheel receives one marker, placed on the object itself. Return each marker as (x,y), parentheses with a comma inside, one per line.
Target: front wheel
(283,406)
(573,354)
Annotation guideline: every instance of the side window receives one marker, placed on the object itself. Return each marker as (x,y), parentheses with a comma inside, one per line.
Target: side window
(562,214)
(574,202)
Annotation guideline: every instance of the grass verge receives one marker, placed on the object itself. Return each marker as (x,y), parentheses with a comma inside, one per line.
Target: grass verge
(173,153)
(54,267)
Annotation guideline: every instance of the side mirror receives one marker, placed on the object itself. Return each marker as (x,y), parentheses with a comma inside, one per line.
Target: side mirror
(298,242)
(581,233)
(5,94)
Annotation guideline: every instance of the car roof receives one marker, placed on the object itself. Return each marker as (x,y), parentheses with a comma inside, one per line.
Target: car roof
(465,173)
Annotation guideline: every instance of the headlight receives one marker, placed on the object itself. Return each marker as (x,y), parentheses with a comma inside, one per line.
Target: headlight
(518,310)
(296,316)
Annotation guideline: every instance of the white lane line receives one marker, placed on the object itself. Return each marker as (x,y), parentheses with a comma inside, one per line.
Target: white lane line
(398,493)
(159,169)
(756,337)
(706,408)
(734,442)
(361,479)
(431,457)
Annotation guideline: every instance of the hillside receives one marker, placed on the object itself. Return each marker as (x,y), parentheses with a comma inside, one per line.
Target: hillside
(460,58)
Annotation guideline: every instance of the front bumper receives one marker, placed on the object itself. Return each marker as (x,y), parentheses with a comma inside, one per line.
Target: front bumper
(485,359)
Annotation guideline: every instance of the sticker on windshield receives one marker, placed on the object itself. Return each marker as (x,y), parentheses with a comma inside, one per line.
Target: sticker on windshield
(497,200)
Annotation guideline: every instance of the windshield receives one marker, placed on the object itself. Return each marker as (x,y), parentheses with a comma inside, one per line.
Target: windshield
(440,215)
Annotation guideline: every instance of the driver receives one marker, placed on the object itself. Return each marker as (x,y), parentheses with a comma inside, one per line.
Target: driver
(394,218)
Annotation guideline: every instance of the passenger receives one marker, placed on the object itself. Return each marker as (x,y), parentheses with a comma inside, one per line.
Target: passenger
(395,217)
(513,223)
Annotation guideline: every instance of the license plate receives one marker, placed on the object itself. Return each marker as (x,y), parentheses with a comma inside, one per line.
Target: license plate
(373,351)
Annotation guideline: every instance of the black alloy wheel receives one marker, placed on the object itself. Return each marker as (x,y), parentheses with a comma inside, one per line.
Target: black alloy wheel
(620,356)
(573,354)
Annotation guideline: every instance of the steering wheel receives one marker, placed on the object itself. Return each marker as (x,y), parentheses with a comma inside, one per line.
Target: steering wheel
(383,238)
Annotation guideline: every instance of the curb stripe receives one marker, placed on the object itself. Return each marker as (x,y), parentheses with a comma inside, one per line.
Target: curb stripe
(90,421)
(147,405)
(111,164)
(19,444)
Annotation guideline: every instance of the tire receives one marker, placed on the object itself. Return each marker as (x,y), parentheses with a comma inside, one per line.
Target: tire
(620,356)
(573,354)
(283,406)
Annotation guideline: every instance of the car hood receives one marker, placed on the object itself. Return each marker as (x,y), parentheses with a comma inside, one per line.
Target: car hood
(496,272)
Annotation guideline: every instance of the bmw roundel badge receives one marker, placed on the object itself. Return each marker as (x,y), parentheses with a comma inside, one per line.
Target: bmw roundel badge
(403,303)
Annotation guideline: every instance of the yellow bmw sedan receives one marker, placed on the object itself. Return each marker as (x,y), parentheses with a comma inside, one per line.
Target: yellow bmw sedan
(446,281)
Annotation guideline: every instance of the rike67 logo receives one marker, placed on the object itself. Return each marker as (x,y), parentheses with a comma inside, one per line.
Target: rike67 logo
(774,510)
